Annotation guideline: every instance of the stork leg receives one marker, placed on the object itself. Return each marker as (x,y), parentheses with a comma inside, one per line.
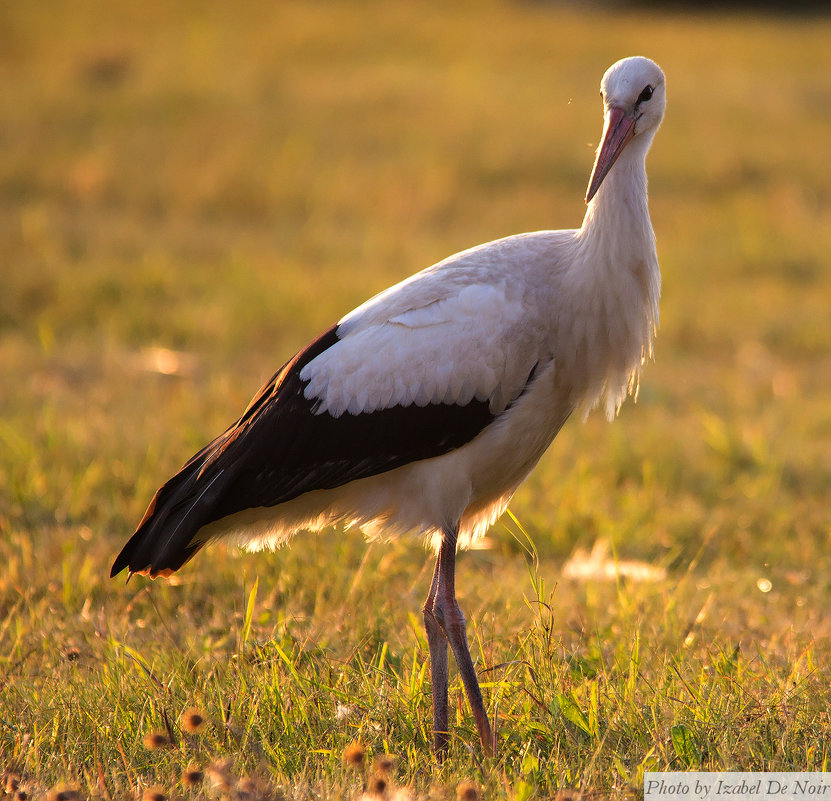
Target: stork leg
(445,624)
(437,642)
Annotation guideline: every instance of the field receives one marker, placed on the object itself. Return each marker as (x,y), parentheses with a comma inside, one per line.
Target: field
(191,191)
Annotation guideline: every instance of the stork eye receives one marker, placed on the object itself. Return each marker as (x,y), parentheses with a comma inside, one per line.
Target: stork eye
(645,94)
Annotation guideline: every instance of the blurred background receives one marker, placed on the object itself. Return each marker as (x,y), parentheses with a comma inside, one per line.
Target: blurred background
(190,191)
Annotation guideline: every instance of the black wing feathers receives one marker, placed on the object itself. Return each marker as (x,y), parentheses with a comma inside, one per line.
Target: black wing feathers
(278,450)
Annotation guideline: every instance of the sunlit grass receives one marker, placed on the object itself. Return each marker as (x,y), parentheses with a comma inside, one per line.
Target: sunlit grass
(187,194)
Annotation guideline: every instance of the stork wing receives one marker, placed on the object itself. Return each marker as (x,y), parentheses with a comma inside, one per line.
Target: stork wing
(411,375)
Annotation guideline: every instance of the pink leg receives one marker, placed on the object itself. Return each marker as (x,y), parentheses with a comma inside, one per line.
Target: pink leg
(446,618)
(437,642)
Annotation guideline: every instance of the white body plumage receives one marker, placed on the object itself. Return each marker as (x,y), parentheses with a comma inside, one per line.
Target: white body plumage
(577,308)
(580,305)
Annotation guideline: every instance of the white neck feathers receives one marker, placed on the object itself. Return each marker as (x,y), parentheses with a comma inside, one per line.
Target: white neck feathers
(615,285)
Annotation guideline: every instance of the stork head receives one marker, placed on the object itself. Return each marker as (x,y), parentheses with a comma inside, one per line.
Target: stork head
(634,97)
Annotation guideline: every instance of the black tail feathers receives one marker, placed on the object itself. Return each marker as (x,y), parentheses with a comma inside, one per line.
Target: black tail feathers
(166,537)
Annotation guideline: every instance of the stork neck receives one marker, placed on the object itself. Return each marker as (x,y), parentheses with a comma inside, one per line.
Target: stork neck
(620,206)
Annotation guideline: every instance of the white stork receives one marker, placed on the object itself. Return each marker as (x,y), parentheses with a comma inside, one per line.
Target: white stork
(425,408)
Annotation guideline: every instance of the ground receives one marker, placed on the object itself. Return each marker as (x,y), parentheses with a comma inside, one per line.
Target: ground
(188,193)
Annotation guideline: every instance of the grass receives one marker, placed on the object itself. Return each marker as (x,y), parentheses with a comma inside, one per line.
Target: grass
(179,182)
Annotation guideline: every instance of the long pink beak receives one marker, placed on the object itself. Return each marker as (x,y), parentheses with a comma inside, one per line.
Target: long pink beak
(617,132)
